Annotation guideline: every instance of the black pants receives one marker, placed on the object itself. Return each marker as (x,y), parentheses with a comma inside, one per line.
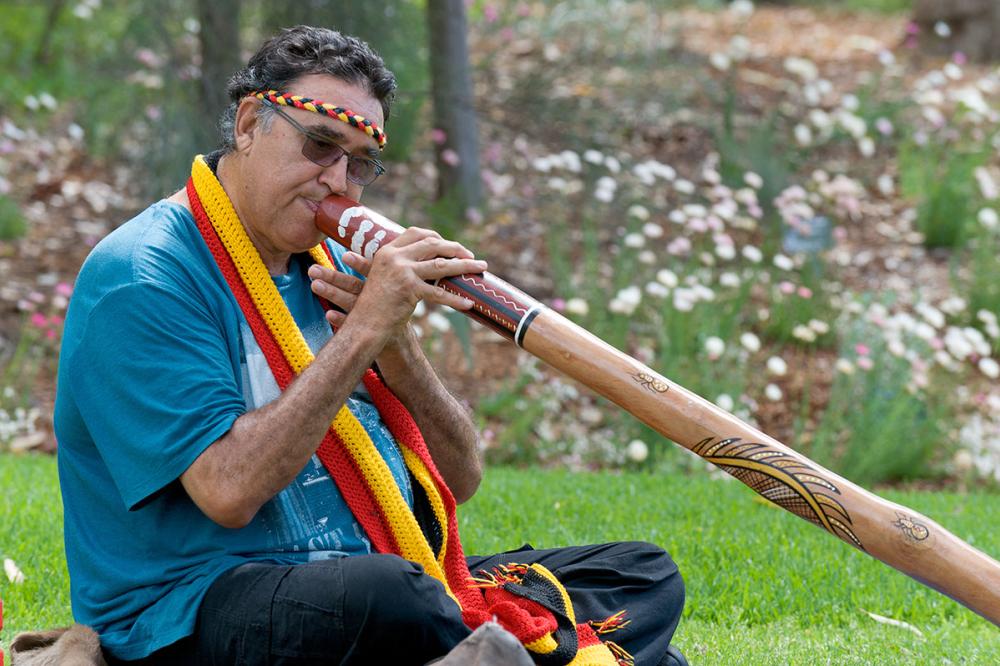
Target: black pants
(382,609)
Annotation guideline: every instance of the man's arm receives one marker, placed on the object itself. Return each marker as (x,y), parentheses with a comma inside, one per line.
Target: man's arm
(446,426)
(266,448)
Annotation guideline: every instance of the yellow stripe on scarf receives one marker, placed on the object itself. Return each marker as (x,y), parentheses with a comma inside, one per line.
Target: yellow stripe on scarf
(412,543)
(423,477)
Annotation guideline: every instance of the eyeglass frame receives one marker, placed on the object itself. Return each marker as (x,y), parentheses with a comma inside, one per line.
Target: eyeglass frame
(312,136)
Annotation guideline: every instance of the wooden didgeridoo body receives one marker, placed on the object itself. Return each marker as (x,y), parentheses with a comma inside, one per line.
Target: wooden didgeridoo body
(895,534)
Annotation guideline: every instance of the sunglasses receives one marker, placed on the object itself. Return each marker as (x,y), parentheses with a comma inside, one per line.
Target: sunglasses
(323,152)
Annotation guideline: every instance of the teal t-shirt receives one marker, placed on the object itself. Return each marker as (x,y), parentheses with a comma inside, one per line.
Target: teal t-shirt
(157,362)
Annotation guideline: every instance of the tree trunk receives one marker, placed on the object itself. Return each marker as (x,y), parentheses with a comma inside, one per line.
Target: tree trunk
(973,27)
(454,113)
(220,51)
(43,55)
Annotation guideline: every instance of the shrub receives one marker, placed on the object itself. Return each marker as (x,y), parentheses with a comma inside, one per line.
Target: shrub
(12,223)
(899,429)
(939,176)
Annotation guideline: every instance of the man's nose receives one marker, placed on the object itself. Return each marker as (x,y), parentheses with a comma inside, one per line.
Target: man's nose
(335,176)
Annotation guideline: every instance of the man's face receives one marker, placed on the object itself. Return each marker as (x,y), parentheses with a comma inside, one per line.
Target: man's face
(281,187)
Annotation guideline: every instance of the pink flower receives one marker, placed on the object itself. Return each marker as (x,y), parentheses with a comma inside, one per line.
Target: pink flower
(698,225)
(523,10)
(862,350)
(912,28)
(38,320)
(937,344)
(805,292)
(679,246)
(439,136)
(50,334)
(493,152)
(473,215)
(865,363)
(490,13)
(55,320)
(959,58)
(64,289)
(786,287)
(450,157)
(884,126)
(148,58)
(558,304)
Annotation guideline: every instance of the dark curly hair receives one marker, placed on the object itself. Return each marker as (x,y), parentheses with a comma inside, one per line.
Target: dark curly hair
(302,50)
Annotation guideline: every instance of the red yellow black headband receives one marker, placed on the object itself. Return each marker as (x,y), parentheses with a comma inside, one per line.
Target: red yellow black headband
(331,110)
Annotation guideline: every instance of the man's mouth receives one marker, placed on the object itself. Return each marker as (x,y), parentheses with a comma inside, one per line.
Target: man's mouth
(313,205)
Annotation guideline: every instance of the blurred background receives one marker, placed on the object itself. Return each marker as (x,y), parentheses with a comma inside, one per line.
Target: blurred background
(788,207)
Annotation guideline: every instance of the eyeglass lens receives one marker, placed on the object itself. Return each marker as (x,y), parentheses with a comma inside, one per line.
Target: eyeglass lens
(325,153)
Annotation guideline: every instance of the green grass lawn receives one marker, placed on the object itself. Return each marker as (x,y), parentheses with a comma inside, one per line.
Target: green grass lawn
(763,587)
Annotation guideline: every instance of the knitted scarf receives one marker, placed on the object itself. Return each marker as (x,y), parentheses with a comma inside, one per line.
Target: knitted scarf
(527,600)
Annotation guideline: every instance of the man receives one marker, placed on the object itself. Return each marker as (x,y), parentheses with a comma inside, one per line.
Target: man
(201,525)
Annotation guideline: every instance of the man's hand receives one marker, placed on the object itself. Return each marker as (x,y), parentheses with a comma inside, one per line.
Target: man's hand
(398,277)
(396,281)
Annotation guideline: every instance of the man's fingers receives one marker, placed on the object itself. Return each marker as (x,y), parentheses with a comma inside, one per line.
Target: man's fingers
(440,267)
(414,234)
(339,288)
(340,280)
(429,247)
(432,294)
(357,262)
(333,294)
(335,318)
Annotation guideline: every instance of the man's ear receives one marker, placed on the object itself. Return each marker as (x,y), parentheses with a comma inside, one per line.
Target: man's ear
(247,123)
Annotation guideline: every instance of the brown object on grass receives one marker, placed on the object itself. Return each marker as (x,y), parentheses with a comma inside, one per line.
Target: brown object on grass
(892,533)
(78,645)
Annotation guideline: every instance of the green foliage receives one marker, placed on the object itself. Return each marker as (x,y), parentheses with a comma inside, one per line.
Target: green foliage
(681,336)
(758,149)
(977,281)
(939,176)
(899,431)
(128,104)
(12,222)
(141,98)
(516,443)
(879,6)
(794,306)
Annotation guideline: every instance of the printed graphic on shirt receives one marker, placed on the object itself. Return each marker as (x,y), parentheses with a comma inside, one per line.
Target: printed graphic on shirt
(310,515)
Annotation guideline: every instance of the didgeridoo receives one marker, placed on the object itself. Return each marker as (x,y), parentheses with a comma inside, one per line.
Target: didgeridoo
(895,534)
